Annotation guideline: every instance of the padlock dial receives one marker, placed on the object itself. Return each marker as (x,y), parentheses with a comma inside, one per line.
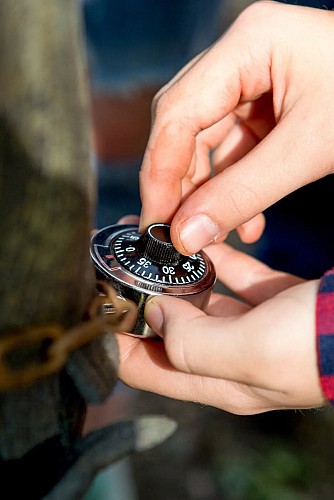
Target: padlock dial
(152,257)
(139,266)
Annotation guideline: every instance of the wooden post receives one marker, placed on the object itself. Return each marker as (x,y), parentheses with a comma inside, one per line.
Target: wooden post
(46,199)
(46,277)
(46,179)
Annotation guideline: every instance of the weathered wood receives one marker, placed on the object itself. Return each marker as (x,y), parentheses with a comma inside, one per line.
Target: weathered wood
(46,276)
(46,183)
(46,199)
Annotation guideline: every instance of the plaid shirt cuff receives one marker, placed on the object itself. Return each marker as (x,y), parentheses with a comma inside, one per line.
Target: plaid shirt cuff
(325,334)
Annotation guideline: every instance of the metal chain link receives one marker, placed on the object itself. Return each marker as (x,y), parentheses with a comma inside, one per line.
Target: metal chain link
(39,351)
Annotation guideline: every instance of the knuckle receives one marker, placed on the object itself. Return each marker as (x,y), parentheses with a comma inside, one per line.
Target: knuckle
(255,12)
(161,101)
(155,102)
(244,200)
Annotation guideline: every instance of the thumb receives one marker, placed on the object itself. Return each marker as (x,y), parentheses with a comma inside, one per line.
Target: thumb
(195,342)
(255,347)
(178,322)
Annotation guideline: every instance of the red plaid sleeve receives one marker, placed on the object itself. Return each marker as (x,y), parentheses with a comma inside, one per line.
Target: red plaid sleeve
(325,334)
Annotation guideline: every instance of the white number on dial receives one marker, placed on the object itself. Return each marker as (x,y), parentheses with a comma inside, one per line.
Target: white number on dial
(187,266)
(144,262)
(168,270)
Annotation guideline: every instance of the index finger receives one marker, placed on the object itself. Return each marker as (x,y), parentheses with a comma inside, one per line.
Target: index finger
(202,96)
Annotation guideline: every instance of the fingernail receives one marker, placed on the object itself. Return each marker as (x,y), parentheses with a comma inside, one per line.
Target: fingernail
(197,232)
(154,316)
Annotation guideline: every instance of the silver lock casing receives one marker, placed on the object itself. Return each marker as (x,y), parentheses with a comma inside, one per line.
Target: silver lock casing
(121,256)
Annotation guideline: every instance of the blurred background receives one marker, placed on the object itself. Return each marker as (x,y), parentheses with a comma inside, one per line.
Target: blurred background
(134,48)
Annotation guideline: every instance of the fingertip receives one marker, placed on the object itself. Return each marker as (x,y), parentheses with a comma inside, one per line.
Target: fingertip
(129,219)
(142,225)
(154,316)
(252,230)
(145,220)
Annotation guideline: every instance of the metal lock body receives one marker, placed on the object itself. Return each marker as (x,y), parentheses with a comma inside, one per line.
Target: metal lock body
(139,266)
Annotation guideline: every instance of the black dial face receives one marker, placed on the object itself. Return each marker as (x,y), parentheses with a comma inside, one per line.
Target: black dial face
(127,250)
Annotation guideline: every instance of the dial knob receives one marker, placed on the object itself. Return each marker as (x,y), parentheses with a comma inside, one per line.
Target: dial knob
(139,266)
(157,245)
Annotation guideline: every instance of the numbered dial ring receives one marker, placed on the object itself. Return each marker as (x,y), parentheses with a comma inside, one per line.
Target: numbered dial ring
(142,265)
(158,265)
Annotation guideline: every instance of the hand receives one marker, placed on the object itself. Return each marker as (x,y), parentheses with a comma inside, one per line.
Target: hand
(246,357)
(261,97)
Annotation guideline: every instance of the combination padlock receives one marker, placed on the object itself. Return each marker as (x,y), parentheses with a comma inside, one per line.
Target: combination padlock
(139,266)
